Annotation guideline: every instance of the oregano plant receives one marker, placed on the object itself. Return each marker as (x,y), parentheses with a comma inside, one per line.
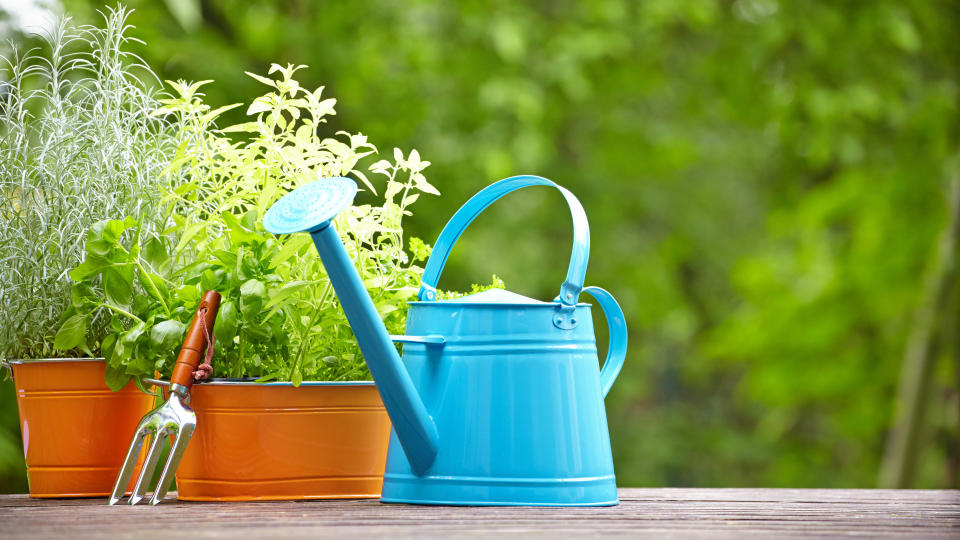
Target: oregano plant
(279,319)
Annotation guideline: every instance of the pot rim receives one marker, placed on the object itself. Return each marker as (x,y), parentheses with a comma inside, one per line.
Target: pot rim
(240,382)
(21,361)
(511,305)
(210,382)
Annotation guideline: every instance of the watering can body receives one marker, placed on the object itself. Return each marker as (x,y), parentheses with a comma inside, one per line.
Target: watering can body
(498,398)
(518,405)
(513,384)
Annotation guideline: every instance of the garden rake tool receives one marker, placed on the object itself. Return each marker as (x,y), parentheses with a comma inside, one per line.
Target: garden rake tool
(174,417)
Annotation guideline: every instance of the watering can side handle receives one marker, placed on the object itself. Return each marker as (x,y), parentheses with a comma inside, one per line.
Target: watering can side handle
(617,326)
(478,203)
(429,340)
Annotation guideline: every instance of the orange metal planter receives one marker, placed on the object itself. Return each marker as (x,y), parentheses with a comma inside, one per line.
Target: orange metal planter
(75,429)
(273,442)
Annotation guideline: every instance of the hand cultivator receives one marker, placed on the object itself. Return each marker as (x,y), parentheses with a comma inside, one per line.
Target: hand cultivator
(173,418)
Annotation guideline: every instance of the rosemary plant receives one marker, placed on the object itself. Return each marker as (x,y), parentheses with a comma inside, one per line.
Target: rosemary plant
(78,144)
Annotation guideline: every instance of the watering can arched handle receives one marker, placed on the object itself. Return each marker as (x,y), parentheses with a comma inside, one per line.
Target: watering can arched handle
(573,284)
(617,329)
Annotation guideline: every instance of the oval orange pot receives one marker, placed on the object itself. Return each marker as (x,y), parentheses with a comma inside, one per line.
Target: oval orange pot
(75,429)
(274,442)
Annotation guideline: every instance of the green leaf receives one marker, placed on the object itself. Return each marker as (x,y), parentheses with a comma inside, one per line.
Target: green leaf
(113,228)
(268,193)
(188,187)
(188,294)
(376,282)
(167,335)
(117,287)
(188,235)
(177,160)
(155,254)
(72,334)
(393,188)
(291,247)
(82,295)
(287,291)
(150,282)
(246,127)
(92,266)
(384,309)
(253,295)
(258,106)
(212,115)
(238,233)
(140,366)
(268,377)
(421,183)
(258,332)
(213,280)
(363,178)
(264,80)
(119,353)
(249,266)
(227,323)
(99,247)
(116,378)
(228,258)
(107,347)
(419,249)
(147,388)
(130,337)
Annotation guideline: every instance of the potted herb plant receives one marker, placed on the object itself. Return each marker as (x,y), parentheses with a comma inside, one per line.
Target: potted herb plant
(290,412)
(77,144)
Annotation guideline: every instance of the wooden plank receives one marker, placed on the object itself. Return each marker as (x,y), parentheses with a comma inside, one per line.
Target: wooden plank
(669,512)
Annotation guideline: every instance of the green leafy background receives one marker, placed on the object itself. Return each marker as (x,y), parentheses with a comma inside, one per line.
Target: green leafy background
(765,183)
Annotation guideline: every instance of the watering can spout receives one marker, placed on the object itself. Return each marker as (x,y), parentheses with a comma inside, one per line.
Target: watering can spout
(311,208)
(414,427)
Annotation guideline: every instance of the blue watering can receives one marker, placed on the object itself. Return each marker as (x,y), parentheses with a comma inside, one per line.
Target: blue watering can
(499,398)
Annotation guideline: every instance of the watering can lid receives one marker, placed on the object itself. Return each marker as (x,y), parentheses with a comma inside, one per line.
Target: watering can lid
(496,296)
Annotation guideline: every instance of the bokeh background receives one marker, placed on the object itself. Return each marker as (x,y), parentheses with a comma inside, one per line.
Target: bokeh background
(772,189)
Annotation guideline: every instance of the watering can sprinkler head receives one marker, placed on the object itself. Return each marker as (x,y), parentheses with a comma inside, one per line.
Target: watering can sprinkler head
(311,208)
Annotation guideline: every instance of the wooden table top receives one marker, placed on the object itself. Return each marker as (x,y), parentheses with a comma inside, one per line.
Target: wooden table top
(666,512)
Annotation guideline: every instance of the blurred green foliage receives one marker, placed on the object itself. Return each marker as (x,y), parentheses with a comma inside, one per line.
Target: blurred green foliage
(765,182)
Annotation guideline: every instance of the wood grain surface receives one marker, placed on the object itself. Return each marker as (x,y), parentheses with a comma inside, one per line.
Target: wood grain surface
(667,512)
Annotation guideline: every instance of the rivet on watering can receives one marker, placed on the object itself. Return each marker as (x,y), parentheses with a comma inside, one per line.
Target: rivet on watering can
(565,320)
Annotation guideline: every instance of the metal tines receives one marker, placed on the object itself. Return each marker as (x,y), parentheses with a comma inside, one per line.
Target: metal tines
(174,418)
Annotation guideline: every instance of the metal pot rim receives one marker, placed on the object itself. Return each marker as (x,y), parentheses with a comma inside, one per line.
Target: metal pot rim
(21,361)
(251,382)
(457,303)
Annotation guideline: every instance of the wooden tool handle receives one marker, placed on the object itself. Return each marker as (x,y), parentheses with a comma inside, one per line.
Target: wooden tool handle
(191,353)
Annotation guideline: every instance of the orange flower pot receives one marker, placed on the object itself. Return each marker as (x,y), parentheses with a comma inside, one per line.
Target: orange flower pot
(276,442)
(76,431)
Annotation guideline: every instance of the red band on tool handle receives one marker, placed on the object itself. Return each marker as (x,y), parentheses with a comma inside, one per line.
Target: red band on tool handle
(191,353)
